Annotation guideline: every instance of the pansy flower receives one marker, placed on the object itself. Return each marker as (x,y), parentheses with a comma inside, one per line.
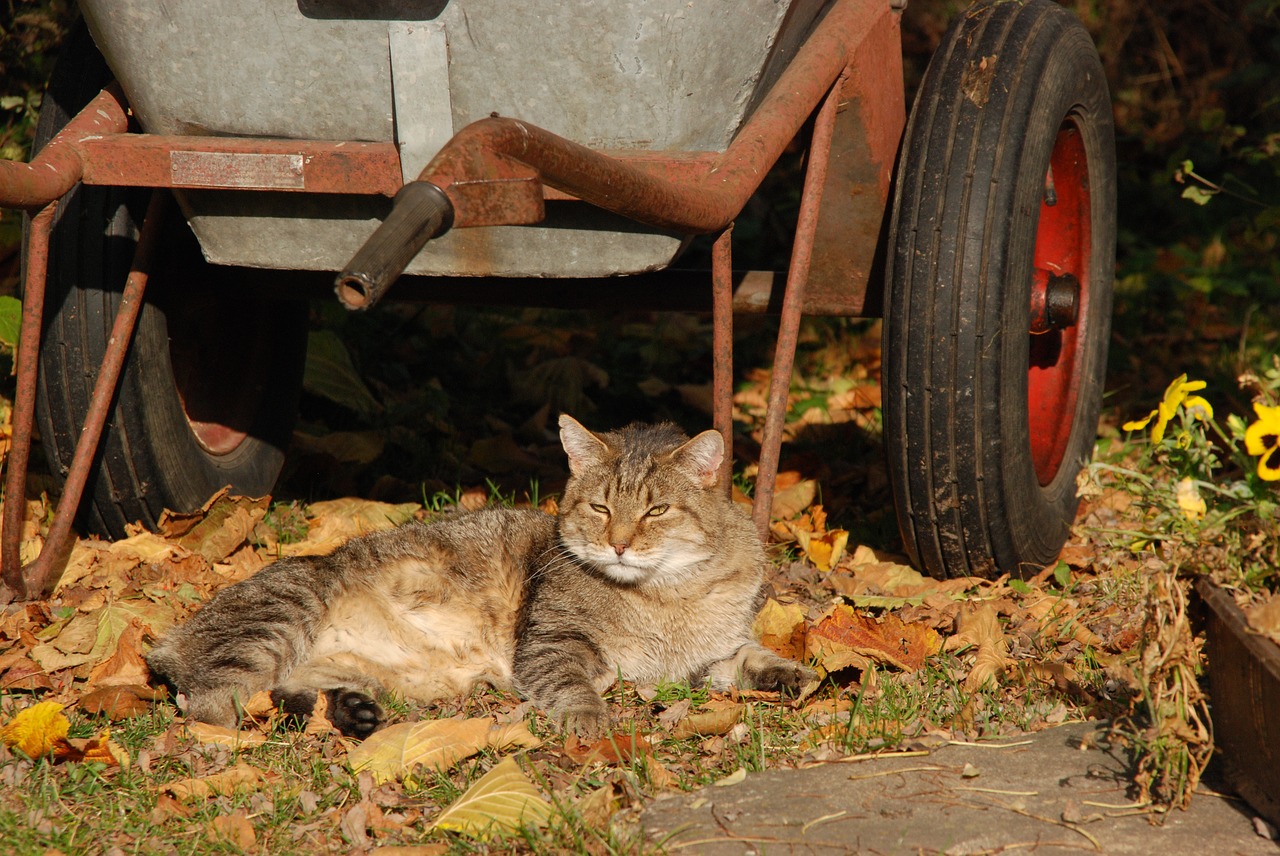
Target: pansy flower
(1176,394)
(1262,440)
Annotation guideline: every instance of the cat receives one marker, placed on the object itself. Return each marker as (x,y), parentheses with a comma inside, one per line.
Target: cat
(649,573)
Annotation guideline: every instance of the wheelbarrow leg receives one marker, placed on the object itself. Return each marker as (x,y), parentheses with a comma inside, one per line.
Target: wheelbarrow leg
(792,302)
(722,348)
(24,404)
(42,575)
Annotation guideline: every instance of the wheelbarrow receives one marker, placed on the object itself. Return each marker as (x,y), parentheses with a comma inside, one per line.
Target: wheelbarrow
(202,166)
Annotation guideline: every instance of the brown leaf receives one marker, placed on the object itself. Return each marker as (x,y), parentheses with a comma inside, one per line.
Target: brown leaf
(718,718)
(781,628)
(167,807)
(790,501)
(120,701)
(125,666)
(616,747)
(234,829)
(24,674)
(101,749)
(241,776)
(978,625)
(227,524)
(218,735)
(844,638)
(599,806)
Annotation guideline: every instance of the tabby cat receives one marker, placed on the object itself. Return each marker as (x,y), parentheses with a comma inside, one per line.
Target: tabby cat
(648,573)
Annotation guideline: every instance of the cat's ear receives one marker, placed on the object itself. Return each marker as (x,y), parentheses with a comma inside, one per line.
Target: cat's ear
(585,450)
(701,457)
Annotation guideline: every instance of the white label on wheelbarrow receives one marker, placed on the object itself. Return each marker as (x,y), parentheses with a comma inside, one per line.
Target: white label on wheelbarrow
(234,169)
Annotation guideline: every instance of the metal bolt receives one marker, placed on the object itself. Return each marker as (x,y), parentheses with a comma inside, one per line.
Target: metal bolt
(1056,304)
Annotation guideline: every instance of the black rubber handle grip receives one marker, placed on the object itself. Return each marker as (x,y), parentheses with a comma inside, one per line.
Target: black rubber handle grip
(420,212)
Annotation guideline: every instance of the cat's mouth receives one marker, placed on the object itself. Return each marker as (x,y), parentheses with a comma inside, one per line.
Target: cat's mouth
(627,568)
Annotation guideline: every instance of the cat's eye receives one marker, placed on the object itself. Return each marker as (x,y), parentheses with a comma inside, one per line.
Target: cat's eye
(658,510)
(597,507)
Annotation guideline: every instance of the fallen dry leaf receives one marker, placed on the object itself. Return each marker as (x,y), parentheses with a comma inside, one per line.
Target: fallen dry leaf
(781,628)
(790,501)
(125,666)
(36,730)
(218,735)
(500,800)
(226,525)
(719,718)
(978,626)
(615,748)
(824,549)
(844,638)
(234,829)
(337,521)
(395,751)
(239,777)
(120,702)
(101,749)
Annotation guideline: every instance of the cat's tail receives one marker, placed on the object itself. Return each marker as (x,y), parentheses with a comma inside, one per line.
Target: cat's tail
(248,638)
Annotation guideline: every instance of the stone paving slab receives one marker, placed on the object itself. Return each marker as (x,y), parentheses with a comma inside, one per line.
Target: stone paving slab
(1046,796)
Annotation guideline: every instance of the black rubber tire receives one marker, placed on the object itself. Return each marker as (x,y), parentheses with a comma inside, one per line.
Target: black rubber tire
(1014,83)
(237,363)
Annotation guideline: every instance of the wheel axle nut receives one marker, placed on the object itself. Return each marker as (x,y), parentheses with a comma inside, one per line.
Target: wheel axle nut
(1055,304)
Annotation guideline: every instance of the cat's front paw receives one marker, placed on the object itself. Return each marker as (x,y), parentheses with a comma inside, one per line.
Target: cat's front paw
(353,713)
(785,676)
(587,721)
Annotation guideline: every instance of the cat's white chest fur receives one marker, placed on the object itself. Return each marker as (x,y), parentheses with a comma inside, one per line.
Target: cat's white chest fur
(670,639)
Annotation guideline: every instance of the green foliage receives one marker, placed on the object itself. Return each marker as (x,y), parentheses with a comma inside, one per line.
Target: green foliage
(29,37)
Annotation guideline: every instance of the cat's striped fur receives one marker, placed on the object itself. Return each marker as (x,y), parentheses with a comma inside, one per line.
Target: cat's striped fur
(648,573)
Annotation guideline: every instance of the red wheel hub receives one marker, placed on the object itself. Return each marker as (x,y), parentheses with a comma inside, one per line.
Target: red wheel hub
(1059,302)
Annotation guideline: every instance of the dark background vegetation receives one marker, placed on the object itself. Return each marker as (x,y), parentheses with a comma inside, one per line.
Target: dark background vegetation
(1191,80)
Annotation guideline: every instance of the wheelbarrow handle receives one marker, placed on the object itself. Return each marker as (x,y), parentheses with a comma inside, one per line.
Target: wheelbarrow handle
(419,212)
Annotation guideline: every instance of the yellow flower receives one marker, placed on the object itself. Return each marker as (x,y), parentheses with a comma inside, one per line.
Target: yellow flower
(1262,439)
(1176,395)
(1189,500)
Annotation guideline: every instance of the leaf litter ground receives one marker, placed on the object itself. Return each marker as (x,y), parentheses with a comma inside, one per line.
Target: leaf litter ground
(908,662)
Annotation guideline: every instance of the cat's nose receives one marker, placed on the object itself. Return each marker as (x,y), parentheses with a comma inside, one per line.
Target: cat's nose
(620,548)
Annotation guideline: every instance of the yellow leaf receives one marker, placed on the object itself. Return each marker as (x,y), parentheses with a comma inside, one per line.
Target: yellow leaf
(337,521)
(37,730)
(393,752)
(781,628)
(502,800)
(823,549)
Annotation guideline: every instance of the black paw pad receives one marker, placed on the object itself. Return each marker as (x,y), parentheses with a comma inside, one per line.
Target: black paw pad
(353,713)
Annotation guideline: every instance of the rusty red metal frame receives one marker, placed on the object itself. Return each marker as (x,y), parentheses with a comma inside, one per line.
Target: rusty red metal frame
(495,171)
(41,575)
(28,360)
(815,177)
